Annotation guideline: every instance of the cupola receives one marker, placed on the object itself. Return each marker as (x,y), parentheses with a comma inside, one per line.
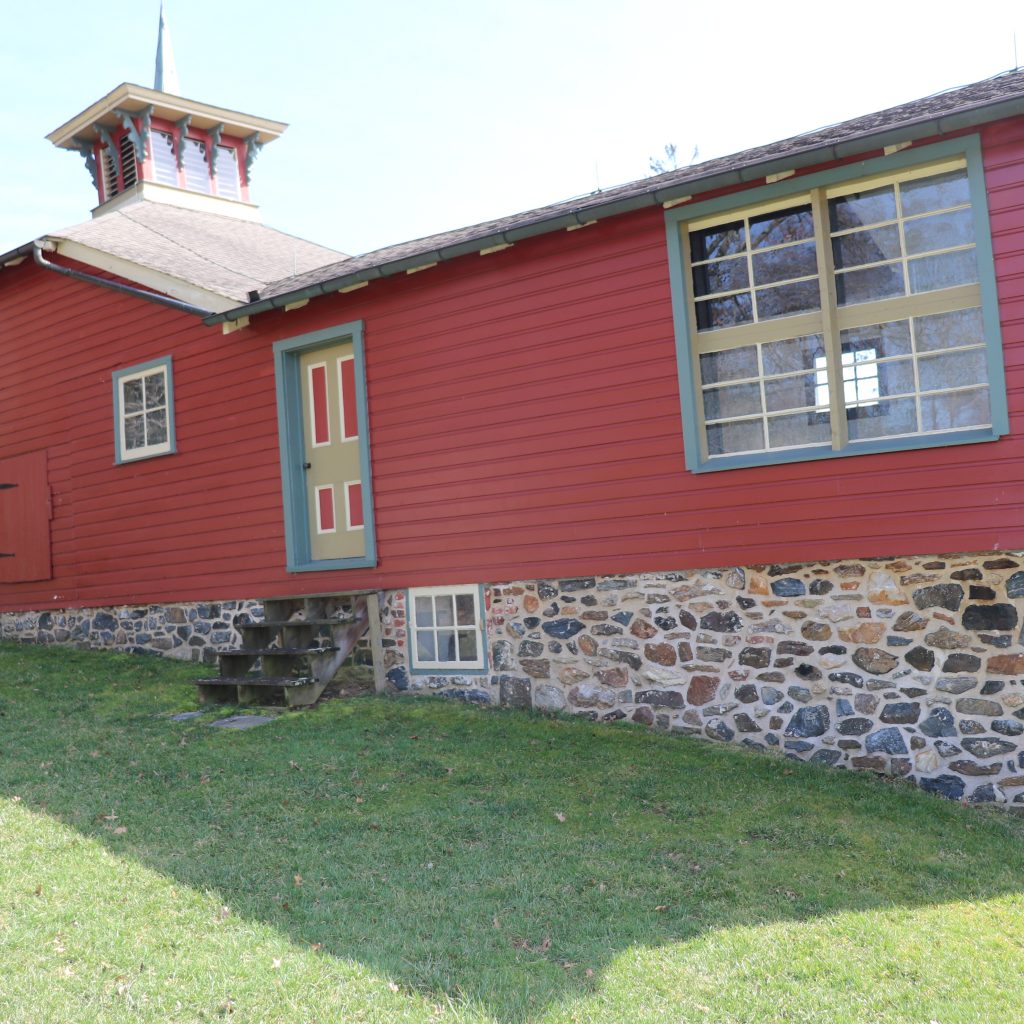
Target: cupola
(141,143)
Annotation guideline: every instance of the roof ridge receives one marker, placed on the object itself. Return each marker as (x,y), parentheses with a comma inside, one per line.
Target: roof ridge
(843,138)
(175,242)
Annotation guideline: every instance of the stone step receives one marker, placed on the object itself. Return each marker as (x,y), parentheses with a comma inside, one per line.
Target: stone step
(278,682)
(282,623)
(260,652)
(315,632)
(298,691)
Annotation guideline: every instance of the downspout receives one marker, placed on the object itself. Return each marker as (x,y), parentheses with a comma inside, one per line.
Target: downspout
(103,282)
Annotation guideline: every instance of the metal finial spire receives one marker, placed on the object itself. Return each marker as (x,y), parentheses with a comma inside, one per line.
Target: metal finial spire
(166,78)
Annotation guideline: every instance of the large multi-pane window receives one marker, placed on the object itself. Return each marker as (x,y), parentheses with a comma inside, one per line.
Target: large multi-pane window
(843,318)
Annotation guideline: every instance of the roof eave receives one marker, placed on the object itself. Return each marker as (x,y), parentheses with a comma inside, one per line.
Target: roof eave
(16,256)
(592,208)
(129,95)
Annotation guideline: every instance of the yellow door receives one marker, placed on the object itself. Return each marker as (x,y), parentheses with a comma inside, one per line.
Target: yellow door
(331,437)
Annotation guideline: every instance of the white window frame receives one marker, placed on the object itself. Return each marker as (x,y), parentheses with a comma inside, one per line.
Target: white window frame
(444,667)
(133,373)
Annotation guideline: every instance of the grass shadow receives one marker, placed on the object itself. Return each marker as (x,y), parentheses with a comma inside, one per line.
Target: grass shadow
(474,855)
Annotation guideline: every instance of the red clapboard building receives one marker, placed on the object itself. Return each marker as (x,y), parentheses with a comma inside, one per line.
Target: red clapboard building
(734,450)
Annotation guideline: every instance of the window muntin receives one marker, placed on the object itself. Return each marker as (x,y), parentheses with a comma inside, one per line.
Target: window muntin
(143,403)
(446,629)
(901,239)
(758,268)
(852,359)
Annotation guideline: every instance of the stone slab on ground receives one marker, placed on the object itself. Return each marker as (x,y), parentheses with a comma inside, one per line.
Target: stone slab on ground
(184,716)
(242,721)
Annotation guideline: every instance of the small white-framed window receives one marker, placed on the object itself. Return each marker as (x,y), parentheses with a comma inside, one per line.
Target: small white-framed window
(143,411)
(446,632)
(860,379)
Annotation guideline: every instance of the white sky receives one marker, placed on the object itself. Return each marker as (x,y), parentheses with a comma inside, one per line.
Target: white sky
(410,117)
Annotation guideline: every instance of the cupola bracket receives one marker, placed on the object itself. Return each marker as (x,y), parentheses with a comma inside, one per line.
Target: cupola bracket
(153,144)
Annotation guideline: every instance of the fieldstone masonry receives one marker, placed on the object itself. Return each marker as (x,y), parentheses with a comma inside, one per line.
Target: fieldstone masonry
(191,632)
(907,667)
(910,667)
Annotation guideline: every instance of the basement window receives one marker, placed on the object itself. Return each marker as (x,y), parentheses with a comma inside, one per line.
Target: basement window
(143,411)
(446,631)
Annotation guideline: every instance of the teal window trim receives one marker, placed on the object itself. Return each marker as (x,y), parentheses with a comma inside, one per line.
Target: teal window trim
(968,147)
(120,457)
(290,435)
(411,634)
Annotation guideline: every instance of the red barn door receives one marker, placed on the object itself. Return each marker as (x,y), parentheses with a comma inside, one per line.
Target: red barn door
(24,519)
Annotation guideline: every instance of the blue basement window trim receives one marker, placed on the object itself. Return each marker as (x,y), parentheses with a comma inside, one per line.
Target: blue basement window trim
(446,629)
(845,312)
(144,411)
(297,491)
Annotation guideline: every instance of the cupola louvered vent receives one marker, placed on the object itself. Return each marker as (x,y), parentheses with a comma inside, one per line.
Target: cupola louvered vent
(110,183)
(120,167)
(129,165)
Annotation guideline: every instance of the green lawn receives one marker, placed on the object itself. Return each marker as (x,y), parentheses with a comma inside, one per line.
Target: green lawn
(419,860)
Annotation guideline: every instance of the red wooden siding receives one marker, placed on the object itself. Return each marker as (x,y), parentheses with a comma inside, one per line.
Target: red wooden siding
(525,422)
(24,519)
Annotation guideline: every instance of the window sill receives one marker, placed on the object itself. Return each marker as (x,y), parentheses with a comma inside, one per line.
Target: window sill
(125,460)
(873,447)
(415,670)
(368,561)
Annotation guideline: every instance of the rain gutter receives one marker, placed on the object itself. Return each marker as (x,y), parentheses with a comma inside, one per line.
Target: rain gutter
(37,248)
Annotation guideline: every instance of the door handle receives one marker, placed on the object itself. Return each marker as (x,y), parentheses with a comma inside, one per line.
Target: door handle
(307,465)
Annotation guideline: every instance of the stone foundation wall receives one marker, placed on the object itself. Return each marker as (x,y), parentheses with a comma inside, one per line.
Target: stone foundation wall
(908,667)
(191,632)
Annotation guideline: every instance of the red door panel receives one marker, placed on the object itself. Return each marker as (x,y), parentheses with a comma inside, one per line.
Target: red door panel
(24,519)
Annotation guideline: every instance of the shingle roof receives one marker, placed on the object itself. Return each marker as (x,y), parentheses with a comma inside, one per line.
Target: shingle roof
(1000,96)
(220,254)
